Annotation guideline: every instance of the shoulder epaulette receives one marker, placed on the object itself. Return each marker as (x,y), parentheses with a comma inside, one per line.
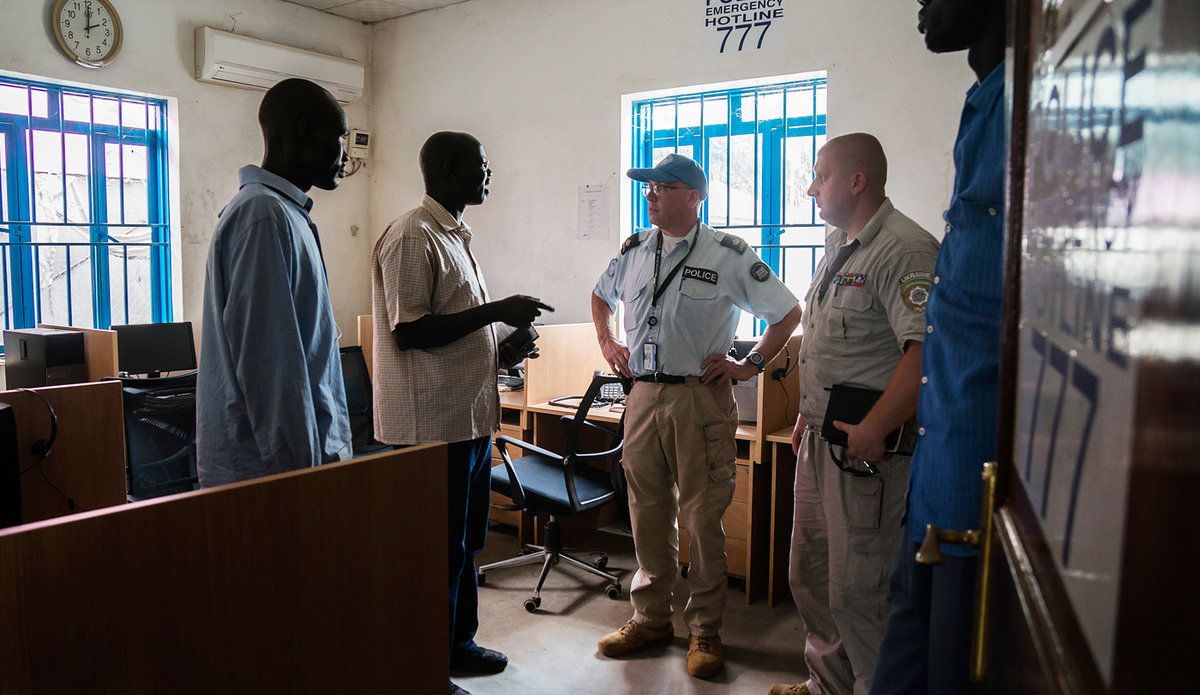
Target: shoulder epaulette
(633,240)
(733,242)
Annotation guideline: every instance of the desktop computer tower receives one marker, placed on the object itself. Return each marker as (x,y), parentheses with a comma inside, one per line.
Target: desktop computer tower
(10,475)
(43,357)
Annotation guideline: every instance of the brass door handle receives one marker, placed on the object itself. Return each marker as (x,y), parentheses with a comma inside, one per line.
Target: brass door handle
(931,554)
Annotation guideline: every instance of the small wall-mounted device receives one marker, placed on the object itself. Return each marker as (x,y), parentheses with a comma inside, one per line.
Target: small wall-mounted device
(359,144)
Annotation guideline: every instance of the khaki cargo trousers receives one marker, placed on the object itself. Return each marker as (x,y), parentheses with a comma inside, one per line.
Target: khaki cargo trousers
(679,460)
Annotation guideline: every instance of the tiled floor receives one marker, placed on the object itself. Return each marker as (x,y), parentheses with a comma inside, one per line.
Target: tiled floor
(554,650)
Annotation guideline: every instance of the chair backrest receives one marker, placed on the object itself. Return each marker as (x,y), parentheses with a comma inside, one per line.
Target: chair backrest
(160,435)
(576,426)
(358,396)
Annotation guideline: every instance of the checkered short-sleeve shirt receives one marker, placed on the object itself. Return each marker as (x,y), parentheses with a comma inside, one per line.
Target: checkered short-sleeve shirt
(422,264)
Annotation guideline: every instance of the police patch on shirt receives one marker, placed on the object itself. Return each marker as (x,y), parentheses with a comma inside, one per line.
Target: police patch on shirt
(701,274)
(612,268)
(850,279)
(914,290)
(760,271)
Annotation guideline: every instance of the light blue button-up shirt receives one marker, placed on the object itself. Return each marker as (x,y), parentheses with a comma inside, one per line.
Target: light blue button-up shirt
(698,312)
(269,393)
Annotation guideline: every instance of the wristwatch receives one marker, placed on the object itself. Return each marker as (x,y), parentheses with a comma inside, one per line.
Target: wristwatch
(757,360)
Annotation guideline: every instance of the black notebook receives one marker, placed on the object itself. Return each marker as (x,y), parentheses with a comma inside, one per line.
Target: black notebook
(851,404)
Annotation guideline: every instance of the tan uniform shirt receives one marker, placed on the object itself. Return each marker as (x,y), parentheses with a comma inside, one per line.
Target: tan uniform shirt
(422,264)
(874,305)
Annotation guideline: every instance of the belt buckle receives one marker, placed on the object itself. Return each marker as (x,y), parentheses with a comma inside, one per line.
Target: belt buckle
(658,378)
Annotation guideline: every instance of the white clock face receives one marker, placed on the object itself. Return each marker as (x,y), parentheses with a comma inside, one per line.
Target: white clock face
(89,31)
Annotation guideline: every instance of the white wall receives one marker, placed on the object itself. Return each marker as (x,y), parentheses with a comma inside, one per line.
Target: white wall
(539,82)
(218,126)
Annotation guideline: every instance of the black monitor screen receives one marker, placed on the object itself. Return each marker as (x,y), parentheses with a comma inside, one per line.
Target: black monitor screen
(152,348)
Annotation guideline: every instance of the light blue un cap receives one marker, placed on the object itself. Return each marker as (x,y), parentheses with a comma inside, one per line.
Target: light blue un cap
(674,167)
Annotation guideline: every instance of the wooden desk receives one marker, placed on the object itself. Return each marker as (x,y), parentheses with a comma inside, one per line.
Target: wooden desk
(783,474)
(312,581)
(86,465)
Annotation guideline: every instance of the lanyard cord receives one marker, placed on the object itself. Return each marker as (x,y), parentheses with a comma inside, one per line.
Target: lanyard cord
(658,291)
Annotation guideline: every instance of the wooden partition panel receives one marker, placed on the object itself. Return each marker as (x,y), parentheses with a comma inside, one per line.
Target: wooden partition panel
(568,354)
(366,340)
(86,466)
(99,350)
(327,580)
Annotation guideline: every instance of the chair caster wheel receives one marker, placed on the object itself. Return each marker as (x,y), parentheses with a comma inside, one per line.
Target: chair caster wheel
(683,571)
(600,562)
(480,578)
(532,604)
(613,591)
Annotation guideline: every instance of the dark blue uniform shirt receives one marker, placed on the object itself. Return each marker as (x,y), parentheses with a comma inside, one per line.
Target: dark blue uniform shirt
(961,360)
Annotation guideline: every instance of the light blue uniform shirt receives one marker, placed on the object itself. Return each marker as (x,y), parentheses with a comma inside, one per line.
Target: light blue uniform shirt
(269,393)
(698,312)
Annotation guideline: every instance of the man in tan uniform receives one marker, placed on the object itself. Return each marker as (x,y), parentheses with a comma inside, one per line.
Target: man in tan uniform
(864,327)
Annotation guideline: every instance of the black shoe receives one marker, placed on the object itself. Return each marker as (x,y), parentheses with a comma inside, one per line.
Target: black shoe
(476,659)
(455,690)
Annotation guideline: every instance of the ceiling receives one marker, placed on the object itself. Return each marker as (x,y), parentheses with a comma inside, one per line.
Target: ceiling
(369,11)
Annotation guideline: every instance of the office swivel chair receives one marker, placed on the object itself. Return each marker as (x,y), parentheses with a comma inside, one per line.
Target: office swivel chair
(357,382)
(559,485)
(160,435)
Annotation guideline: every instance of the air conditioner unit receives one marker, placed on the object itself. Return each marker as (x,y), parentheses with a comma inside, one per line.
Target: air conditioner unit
(240,61)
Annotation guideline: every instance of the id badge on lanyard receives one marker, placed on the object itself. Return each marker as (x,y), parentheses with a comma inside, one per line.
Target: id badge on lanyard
(650,357)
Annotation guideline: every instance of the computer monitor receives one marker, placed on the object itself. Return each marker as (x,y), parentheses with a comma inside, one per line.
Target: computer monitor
(153,348)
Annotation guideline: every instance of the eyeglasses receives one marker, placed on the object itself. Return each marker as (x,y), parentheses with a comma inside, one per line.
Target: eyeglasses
(658,188)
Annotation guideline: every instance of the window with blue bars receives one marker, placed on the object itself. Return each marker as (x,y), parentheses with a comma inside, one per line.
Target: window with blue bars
(84,229)
(757,145)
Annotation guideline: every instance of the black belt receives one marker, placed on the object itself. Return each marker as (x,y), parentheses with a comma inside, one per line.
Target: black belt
(660,378)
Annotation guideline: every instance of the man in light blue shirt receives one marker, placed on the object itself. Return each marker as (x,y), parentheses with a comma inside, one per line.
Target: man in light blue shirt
(684,286)
(269,393)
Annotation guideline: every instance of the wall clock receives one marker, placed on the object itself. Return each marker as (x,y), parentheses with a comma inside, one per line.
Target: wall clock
(88,31)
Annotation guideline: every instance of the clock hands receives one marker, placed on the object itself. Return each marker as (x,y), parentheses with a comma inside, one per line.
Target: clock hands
(87,30)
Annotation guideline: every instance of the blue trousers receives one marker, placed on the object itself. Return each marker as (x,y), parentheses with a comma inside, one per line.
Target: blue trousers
(468,483)
(926,645)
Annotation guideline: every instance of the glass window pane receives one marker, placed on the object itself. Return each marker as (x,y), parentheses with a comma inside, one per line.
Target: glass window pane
(716,110)
(133,115)
(41,103)
(130,278)
(800,102)
(6,213)
(718,182)
(743,184)
(798,164)
(770,105)
(14,100)
(76,107)
(689,113)
(104,111)
(76,153)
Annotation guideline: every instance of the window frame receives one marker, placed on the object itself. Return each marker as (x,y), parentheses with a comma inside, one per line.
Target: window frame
(20,282)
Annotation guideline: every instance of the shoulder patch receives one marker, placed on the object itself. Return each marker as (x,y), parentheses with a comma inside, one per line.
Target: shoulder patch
(914,290)
(632,242)
(760,271)
(733,242)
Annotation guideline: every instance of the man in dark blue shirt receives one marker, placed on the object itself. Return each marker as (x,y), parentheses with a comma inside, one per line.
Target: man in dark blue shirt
(927,642)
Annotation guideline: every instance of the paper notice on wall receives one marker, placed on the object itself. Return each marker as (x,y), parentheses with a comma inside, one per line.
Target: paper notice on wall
(593,212)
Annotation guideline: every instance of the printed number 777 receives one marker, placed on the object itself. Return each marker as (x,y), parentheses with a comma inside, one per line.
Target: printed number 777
(745,31)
